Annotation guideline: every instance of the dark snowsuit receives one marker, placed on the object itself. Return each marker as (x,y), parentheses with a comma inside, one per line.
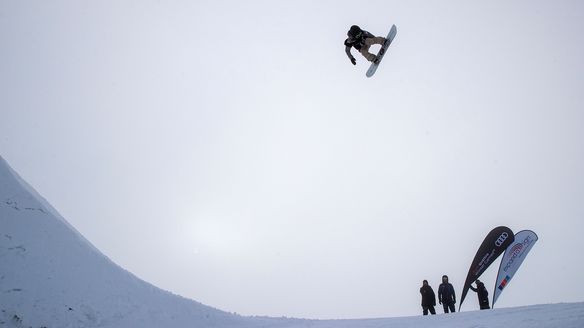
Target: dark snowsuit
(362,41)
(483,295)
(447,297)
(428,299)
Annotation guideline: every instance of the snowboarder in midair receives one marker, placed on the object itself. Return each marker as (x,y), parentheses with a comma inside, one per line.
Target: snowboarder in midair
(362,41)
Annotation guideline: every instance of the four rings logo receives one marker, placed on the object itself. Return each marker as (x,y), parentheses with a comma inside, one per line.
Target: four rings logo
(501,239)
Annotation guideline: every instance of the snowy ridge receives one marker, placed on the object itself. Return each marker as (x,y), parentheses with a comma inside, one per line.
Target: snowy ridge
(51,276)
(42,205)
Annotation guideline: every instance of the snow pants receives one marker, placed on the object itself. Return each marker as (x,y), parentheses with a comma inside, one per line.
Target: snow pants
(368,43)
(429,307)
(447,307)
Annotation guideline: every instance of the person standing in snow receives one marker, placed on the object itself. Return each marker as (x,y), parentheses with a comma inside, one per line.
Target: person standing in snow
(428,298)
(362,41)
(446,295)
(483,295)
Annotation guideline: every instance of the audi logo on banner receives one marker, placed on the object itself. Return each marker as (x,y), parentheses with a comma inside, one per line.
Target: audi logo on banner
(501,239)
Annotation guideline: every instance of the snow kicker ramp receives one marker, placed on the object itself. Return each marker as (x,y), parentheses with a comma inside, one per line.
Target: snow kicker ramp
(50,276)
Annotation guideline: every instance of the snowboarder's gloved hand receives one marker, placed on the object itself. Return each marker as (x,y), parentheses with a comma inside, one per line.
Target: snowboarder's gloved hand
(353,60)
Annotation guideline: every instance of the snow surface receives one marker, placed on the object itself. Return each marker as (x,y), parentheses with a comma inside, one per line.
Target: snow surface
(51,276)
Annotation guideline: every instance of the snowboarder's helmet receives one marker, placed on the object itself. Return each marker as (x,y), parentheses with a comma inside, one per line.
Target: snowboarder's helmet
(354,31)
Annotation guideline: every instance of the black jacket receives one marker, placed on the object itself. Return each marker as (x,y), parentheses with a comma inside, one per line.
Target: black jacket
(428,296)
(358,41)
(446,293)
(482,292)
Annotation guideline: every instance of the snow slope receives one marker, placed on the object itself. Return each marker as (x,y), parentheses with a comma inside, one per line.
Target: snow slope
(51,276)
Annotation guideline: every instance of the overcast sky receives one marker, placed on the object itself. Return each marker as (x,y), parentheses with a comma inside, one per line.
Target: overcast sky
(229,152)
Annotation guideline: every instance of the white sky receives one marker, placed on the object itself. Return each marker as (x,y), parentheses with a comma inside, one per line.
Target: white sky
(229,152)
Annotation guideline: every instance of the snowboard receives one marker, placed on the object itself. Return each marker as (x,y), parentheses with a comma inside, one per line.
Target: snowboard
(382,51)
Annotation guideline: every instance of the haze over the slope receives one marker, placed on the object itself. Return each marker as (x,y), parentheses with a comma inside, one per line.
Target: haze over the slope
(52,277)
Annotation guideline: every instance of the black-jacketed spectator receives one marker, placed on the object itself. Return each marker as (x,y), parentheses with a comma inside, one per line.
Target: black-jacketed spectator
(428,298)
(446,295)
(483,295)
